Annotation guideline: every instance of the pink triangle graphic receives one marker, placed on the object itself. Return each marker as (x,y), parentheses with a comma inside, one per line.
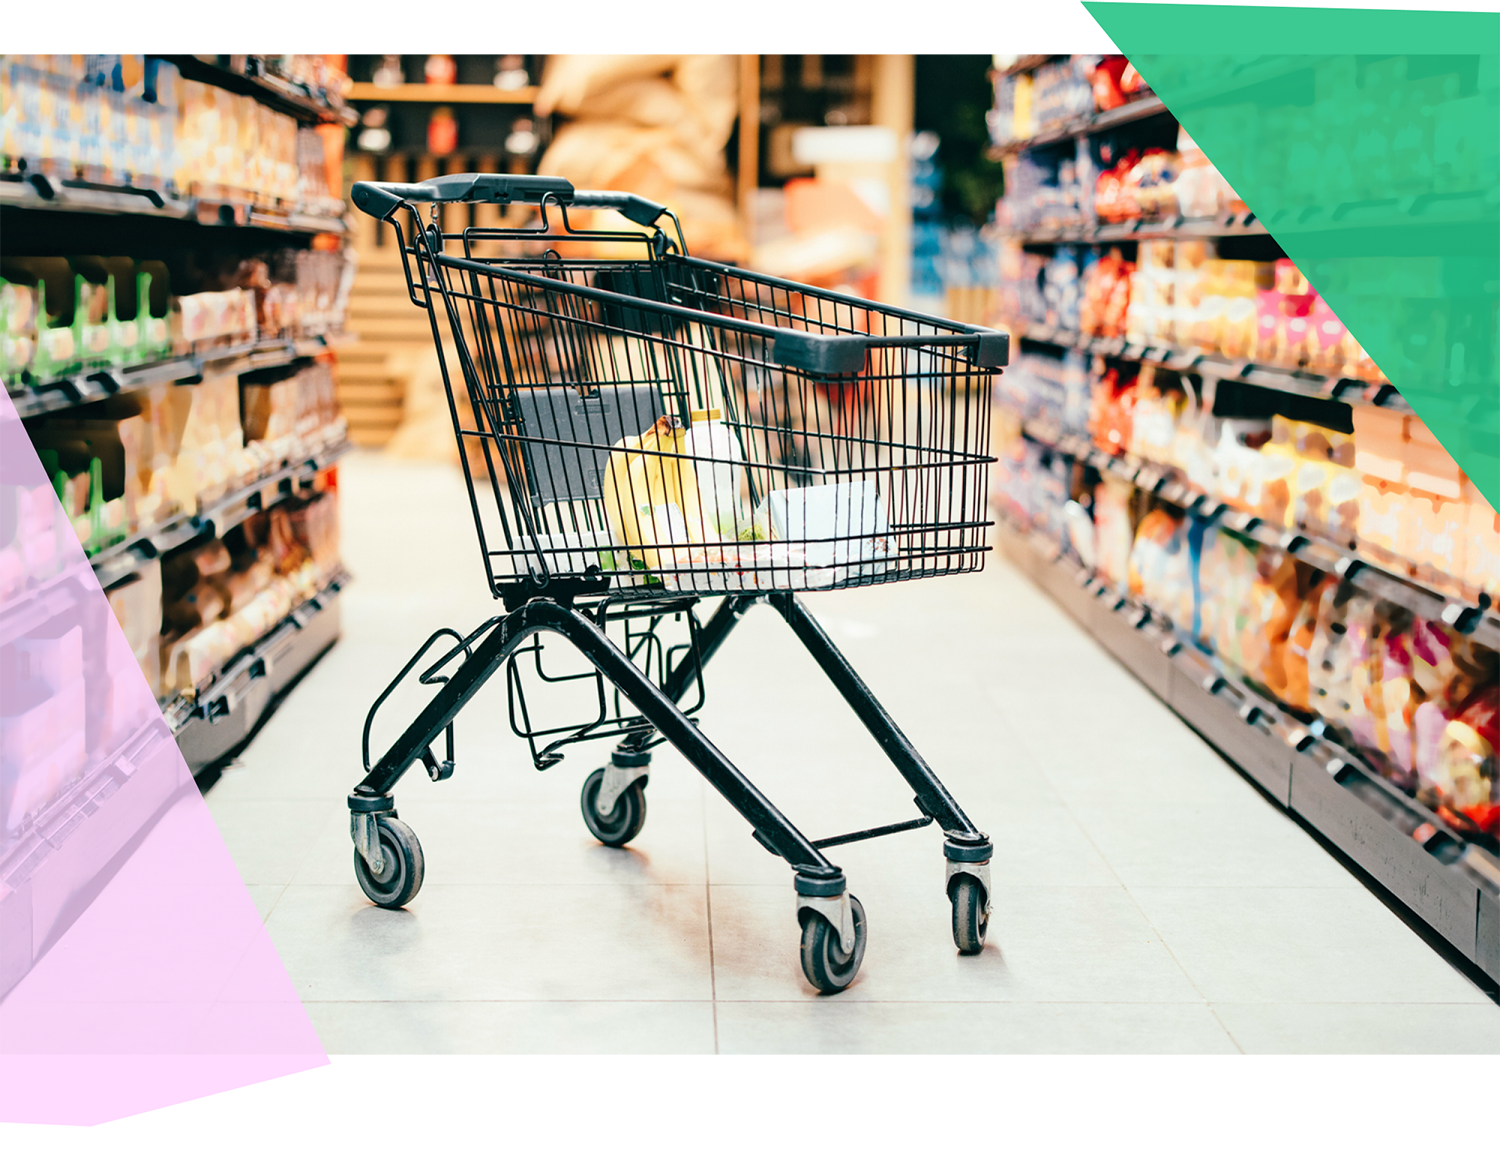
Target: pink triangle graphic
(135,971)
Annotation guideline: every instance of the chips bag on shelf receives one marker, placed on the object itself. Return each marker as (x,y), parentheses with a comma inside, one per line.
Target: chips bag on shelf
(1468,775)
(1296,691)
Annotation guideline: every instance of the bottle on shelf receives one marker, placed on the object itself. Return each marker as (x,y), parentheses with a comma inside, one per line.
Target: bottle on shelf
(442,132)
(388,74)
(441,69)
(522,141)
(510,73)
(374,133)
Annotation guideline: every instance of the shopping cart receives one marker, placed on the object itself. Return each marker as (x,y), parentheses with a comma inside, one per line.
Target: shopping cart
(646,432)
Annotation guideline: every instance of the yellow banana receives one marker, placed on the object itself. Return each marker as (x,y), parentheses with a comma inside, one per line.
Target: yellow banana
(618,512)
(684,485)
(648,490)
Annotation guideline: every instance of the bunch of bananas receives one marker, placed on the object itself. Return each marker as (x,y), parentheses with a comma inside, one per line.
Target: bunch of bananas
(651,497)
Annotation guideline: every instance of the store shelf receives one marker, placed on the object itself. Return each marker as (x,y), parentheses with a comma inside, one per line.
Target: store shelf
(40,603)
(51,867)
(39,192)
(1424,599)
(222,714)
(448,95)
(1461,211)
(280,93)
(1145,107)
(1450,884)
(95,385)
(124,558)
(1175,228)
(1025,63)
(1305,383)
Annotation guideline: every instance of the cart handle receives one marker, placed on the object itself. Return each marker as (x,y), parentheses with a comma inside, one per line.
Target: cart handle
(382,199)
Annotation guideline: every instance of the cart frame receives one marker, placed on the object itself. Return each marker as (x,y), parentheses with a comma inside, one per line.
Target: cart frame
(388,858)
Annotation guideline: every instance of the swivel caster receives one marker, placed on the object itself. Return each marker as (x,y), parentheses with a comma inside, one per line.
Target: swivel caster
(401,865)
(828,962)
(616,813)
(971,913)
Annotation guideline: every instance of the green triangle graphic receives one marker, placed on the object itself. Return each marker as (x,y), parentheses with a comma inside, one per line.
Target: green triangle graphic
(1380,179)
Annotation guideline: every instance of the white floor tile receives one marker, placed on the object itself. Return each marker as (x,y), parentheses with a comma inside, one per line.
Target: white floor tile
(847,1026)
(1362,1028)
(1147,898)
(1300,945)
(560,1026)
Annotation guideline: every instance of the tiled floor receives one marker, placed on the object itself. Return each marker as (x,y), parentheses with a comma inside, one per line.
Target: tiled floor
(1147,898)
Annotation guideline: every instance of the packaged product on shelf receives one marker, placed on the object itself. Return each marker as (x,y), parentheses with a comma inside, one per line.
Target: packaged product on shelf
(1268,485)
(1154,417)
(1190,260)
(1238,464)
(1297,692)
(315,522)
(1384,515)
(1434,538)
(1106,296)
(1481,545)
(1271,605)
(1383,692)
(136,603)
(1161,567)
(1149,317)
(34,529)
(42,746)
(1112,408)
(18,318)
(1330,655)
(1114,528)
(1226,570)
(1463,774)
(1326,488)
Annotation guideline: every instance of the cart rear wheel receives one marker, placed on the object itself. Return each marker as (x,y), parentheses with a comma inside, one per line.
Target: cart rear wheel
(825,963)
(971,916)
(624,821)
(401,877)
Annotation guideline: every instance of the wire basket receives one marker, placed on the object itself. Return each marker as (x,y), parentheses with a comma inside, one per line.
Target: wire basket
(669,425)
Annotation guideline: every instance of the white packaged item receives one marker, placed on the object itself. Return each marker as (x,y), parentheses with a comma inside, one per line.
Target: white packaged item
(27,788)
(51,656)
(841,524)
(763,566)
(32,723)
(719,466)
(564,554)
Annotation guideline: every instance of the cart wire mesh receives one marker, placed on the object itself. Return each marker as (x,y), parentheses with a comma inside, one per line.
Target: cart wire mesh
(635,427)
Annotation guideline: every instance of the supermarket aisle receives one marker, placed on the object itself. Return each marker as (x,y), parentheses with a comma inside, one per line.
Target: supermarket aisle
(1147,898)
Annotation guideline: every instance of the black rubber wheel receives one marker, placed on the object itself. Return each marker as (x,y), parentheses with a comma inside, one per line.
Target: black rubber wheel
(624,821)
(825,963)
(971,919)
(401,878)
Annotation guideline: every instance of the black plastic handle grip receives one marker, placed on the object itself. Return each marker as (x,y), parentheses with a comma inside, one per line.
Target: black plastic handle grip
(635,208)
(381,199)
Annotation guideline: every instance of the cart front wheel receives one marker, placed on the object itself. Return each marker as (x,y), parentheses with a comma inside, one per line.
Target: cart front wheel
(825,963)
(971,916)
(400,878)
(625,820)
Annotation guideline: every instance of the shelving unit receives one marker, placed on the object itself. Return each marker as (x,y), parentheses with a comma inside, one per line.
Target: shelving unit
(1450,882)
(253,76)
(1453,886)
(59,851)
(450,95)
(1425,599)
(1280,379)
(1144,107)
